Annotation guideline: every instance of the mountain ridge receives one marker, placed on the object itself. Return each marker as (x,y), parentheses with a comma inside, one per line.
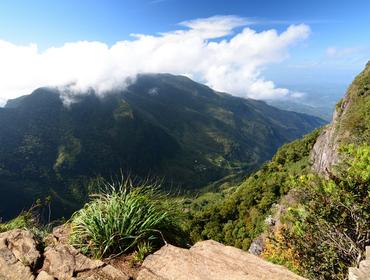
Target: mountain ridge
(162,125)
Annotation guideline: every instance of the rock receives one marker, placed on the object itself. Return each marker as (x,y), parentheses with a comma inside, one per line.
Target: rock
(59,261)
(108,272)
(83,263)
(270,221)
(63,261)
(62,232)
(210,260)
(44,276)
(23,245)
(59,235)
(15,271)
(20,259)
(363,270)
(324,153)
(257,246)
(18,255)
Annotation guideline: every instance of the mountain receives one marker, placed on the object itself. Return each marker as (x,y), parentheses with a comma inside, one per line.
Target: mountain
(318,99)
(161,125)
(324,111)
(308,207)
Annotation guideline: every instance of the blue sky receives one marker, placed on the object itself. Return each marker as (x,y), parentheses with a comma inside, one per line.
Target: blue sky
(337,47)
(51,23)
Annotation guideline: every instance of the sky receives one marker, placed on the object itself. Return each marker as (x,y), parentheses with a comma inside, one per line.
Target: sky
(247,48)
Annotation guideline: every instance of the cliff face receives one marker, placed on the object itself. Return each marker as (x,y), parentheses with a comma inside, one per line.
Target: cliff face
(350,124)
(324,153)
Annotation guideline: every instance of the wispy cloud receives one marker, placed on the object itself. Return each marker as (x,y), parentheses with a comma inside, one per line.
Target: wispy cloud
(232,64)
(335,52)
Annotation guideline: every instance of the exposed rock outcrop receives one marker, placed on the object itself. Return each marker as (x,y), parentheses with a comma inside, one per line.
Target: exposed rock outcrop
(18,255)
(325,151)
(22,259)
(63,261)
(363,271)
(210,260)
(349,125)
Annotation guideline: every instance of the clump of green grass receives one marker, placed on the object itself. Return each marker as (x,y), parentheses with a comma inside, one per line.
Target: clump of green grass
(23,221)
(29,220)
(123,216)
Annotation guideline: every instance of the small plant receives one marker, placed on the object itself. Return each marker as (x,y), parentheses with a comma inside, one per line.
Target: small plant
(21,222)
(122,218)
(25,220)
(143,249)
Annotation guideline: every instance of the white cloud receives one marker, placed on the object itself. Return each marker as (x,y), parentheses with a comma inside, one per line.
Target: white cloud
(201,50)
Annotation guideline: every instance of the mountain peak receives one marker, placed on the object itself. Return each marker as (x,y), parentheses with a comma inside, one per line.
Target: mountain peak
(163,125)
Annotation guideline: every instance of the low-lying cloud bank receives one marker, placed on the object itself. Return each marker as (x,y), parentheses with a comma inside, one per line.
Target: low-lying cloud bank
(208,50)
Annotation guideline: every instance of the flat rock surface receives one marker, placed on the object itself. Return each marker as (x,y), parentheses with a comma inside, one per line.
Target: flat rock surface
(210,260)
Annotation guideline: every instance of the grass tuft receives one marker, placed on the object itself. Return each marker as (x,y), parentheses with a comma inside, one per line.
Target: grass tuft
(122,217)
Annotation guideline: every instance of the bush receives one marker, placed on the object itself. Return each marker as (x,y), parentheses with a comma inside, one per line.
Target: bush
(122,217)
(329,228)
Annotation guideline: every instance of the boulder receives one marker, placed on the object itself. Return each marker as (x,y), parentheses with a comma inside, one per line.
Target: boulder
(44,276)
(20,259)
(362,272)
(18,255)
(23,245)
(210,260)
(63,261)
(108,272)
(257,246)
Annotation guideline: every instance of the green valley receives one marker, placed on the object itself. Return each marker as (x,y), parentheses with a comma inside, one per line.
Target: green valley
(161,126)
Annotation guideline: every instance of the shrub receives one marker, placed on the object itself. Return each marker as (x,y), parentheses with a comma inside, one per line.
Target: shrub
(329,228)
(123,216)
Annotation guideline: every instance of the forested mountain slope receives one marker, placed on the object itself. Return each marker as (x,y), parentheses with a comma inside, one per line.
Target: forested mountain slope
(161,125)
(309,207)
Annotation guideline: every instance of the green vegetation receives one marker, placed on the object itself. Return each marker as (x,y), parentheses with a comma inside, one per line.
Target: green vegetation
(143,249)
(163,125)
(124,219)
(354,125)
(237,216)
(22,221)
(327,229)
(321,226)
(29,220)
